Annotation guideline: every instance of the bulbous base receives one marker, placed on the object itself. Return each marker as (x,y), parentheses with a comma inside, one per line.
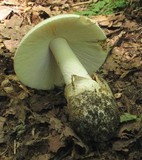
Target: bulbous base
(93,112)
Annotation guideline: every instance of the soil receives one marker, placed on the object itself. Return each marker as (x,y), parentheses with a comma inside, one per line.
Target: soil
(34,124)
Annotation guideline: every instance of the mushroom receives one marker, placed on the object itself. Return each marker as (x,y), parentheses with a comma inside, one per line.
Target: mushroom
(68,49)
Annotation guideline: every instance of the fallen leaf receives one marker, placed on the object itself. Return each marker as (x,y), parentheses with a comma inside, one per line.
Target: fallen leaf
(56,124)
(4,12)
(55,142)
(69,133)
(121,145)
(129,134)
(42,157)
(14,22)
(11,2)
(11,45)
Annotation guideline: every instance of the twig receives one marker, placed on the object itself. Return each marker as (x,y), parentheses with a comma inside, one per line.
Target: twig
(83,3)
(15,147)
(118,42)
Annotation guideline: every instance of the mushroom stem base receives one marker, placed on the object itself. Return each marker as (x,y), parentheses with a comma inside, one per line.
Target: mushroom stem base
(93,112)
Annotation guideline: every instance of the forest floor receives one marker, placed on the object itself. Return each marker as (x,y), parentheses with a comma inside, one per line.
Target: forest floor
(34,124)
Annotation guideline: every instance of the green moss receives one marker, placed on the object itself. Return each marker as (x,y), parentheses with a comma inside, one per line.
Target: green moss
(126,117)
(104,7)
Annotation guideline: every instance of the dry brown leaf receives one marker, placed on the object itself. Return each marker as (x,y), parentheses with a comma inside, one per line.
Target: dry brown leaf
(55,142)
(56,124)
(20,112)
(42,157)
(11,86)
(14,21)
(129,129)
(4,12)
(11,2)
(3,157)
(136,62)
(129,134)
(121,145)
(67,132)
(131,25)
(14,31)
(11,45)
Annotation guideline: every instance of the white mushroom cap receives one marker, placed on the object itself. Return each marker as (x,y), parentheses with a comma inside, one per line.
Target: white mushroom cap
(34,63)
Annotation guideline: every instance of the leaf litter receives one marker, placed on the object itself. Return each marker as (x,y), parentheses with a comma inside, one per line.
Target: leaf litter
(34,125)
